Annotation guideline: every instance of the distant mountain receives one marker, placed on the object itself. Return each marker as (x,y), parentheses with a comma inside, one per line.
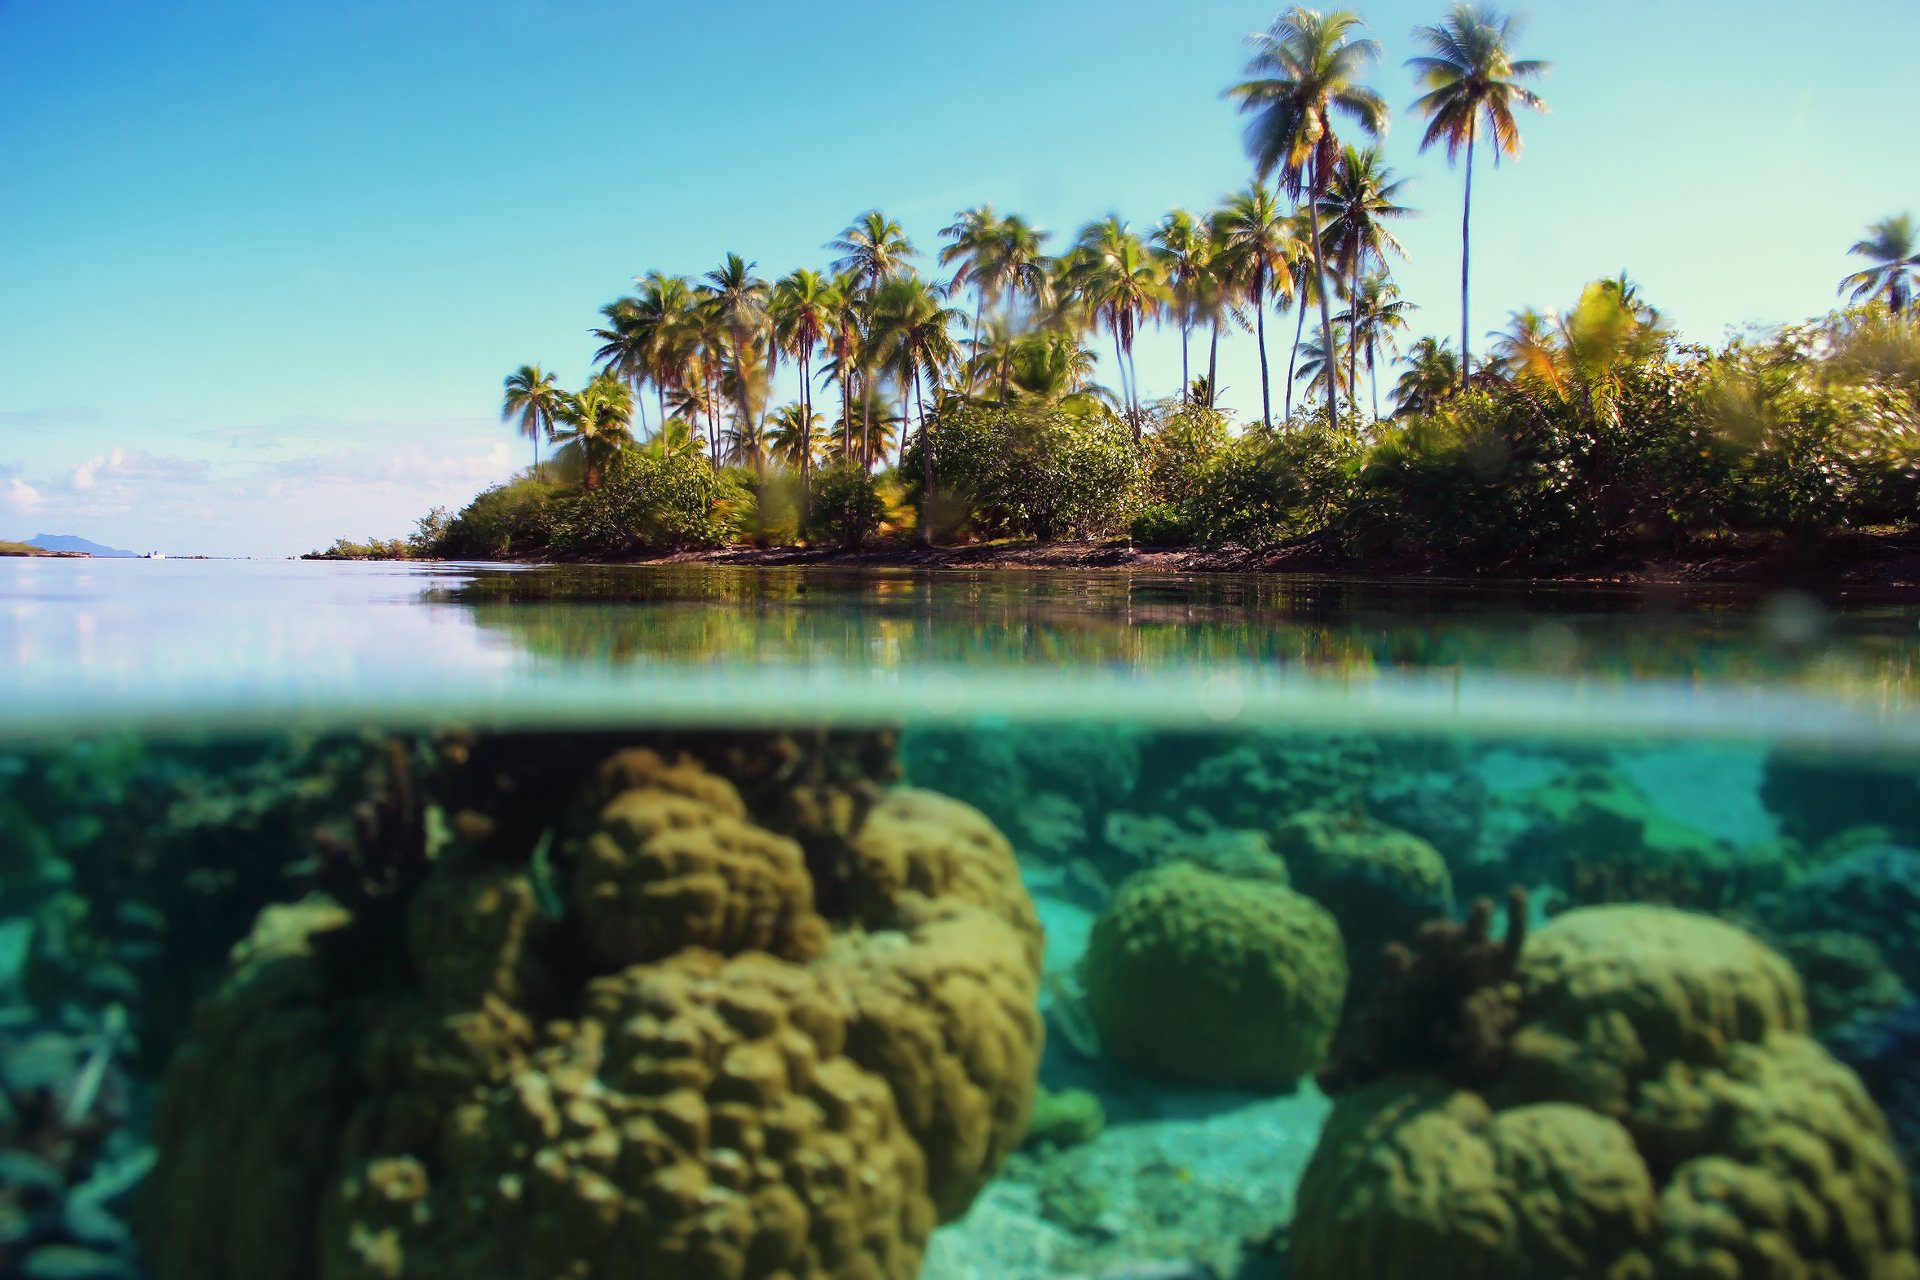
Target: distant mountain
(67,542)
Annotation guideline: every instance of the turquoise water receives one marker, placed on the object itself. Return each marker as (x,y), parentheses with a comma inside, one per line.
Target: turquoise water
(426,921)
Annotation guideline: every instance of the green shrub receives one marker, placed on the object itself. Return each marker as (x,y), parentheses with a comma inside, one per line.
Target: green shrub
(508,519)
(1038,471)
(651,502)
(847,506)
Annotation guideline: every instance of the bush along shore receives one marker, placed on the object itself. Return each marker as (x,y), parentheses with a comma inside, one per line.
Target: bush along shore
(959,419)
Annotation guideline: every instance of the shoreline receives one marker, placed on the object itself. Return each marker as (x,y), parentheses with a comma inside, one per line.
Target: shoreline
(1863,560)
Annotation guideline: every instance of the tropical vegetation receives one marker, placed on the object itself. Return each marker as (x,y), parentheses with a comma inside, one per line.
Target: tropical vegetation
(986,388)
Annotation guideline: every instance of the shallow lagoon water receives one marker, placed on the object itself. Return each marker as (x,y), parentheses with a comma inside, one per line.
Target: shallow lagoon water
(175,734)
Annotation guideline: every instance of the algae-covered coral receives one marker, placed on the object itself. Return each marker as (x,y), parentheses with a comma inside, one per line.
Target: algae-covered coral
(713,1006)
(1211,979)
(1659,1112)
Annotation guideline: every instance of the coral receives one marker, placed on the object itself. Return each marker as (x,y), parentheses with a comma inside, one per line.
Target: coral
(1874,891)
(668,1026)
(1415,1181)
(1378,882)
(1446,1004)
(1597,838)
(1065,1118)
(1209,979)
(1139,842)
(1447,810)
(1254,781)
(1842,973)
(1659,1113)
(1884,1048)
(1817,797)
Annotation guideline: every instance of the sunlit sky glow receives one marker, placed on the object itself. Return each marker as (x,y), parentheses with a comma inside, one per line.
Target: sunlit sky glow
(263,266)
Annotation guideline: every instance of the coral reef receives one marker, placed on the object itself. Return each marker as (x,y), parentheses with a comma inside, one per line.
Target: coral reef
(68,1158)
(710,1005)
(1202,978)
(1873,891)
(1816,797)
(1445,1004)
(1596,838)
(1146,841)
(1378,882)
(1884,1048)
(1658,1112)
(1257,780)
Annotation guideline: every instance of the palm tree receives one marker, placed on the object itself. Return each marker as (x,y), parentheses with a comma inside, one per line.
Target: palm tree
(1053,367)
(873,249)
(706,337)
(1374,314)
(1183,246)
(675,439)
(597,421)
(997,257)
(1892,249)
(1358,202)
(1257,244)
(845,340)
(747,442)
(1528,348)
(738,299)
(802,312)
(1470,75)
(912,333)
(1315,366)
(798,436)
(534,398)
(1306,70)
(1433,374)
(657,331)
(1119,283)
(1307,290)
(625,344)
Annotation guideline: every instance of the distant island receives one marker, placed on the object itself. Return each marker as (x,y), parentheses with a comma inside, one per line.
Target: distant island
(63,544)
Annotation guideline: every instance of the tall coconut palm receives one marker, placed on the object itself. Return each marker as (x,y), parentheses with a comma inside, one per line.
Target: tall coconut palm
(1305,72)
(1375,315)
(845,342)
(989,353)
(739,300)
(973,244)
(707,340)
(802,313)
(1212,297)
(913,336)
(1894,250)
(1358,205)
(1308,291)
(624,345)
(597,423)
(873,249)
(1120,284)
(1257,244)
(657,332)
(1472,82)
(1433,374)
(1183,246)
(536,400)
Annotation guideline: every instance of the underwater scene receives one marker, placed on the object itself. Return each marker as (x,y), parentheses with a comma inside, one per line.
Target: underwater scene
(953,999)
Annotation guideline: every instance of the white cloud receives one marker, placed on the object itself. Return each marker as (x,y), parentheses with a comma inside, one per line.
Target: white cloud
(120,465)
(22,496)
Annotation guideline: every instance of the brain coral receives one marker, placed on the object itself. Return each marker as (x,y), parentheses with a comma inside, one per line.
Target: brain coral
(1211,979)
(1661,1114)
(1379,882)
(671,1041)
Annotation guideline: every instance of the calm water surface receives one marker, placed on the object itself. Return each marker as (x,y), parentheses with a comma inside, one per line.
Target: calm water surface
(102,642)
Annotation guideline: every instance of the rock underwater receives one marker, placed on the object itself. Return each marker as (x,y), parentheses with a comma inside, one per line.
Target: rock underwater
(727,1008)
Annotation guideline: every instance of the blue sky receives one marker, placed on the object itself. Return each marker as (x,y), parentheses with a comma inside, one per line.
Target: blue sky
(263,266)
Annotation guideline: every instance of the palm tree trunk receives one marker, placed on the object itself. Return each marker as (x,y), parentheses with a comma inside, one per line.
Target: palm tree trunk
(926,470)
(1353,338)
(660,389)
(806,428)
(1320,278)
(1186,378)
(1373,380)
(1466,212)
(1120,367)
(1213,365)
(1260,331)
(979,302)
(1299,330)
